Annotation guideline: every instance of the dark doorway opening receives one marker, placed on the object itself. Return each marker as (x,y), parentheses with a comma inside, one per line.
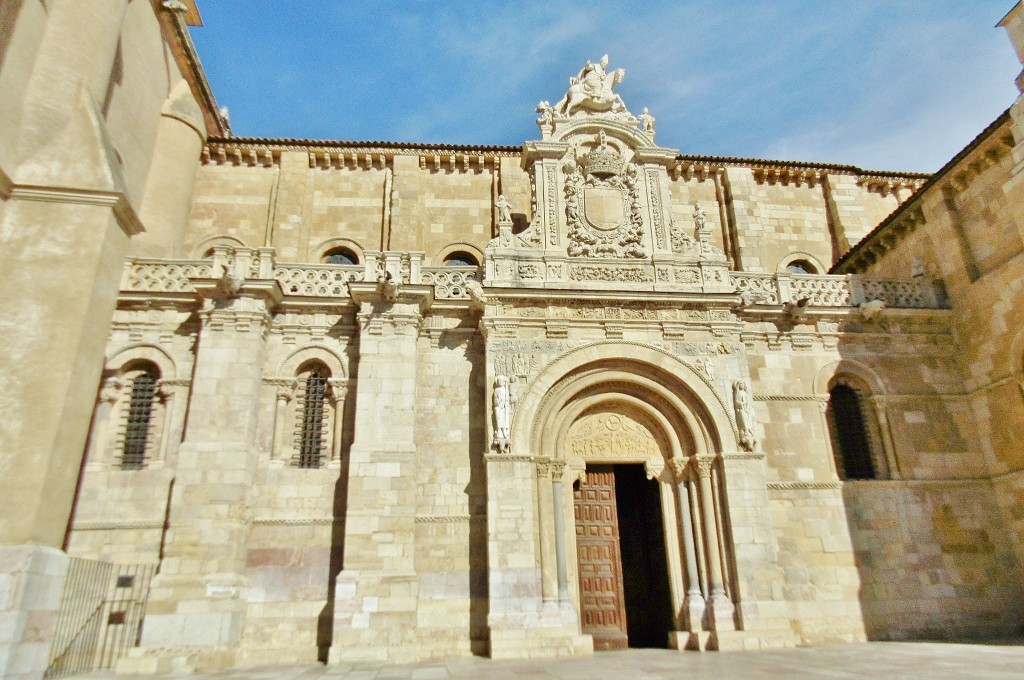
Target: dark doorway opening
(644,566)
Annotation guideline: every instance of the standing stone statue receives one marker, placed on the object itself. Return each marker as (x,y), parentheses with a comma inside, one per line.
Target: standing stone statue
(546,111)
(646,121)
(744,415)
(502,414)
(504,209)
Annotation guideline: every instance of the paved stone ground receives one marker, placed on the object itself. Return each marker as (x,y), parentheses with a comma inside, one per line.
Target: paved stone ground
(874,660)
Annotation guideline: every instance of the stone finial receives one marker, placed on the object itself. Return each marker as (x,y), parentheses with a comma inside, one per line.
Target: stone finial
(546,111)
(646,121)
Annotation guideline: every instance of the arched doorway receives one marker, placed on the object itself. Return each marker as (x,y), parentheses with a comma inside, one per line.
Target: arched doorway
(644,533)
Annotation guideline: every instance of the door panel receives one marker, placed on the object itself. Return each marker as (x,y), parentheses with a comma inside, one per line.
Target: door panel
(602,604)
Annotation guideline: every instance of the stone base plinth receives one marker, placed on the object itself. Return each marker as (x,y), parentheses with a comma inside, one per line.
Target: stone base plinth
(31,584)
(684,640)
(162,660)
(747,640)
(375,618)
(553,634)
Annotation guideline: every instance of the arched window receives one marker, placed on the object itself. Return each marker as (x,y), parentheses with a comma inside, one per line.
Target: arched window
(311,427)
(801,267)
(460,258)
(340,256)
(138,415)
(851,440)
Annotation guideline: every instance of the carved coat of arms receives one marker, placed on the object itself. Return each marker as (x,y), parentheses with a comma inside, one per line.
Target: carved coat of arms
(602,205)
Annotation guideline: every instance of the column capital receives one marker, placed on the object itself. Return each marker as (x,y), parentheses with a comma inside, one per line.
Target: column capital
(703,464)
(110,391)
(557,469)
(679,469)
(338,389)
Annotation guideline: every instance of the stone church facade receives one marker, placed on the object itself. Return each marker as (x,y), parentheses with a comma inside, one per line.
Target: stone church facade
(394,401)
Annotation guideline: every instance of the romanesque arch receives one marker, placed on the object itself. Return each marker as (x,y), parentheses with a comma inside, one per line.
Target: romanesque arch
(598,411)
(678,396)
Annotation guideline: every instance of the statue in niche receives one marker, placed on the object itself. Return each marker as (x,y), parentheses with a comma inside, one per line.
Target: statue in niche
(504,209)
(502,414)
(744,415)
(591,90)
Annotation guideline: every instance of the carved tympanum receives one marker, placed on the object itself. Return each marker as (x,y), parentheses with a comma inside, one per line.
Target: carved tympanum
(606,435)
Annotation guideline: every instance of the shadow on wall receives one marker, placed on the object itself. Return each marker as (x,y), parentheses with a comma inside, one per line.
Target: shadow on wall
(931,564)
(325,622)
(476,490)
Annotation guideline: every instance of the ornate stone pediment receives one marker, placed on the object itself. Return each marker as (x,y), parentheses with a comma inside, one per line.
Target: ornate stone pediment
(601,202)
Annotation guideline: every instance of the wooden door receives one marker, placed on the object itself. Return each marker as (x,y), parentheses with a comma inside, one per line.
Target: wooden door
(602,603)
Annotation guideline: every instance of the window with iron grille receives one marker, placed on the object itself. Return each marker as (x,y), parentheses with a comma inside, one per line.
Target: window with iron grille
(138,419)
(311,418)
(851,443)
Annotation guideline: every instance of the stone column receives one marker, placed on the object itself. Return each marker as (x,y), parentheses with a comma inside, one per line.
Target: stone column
(197,604)
(557,473)
(719,608)
(165,391)
(99,442)
(376,592)
(545,509)
(337,394)
(693,603)
(285,392)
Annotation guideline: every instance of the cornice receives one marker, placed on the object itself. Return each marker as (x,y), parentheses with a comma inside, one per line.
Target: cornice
(176,24)
(789,171)
(122,208)
(266,150)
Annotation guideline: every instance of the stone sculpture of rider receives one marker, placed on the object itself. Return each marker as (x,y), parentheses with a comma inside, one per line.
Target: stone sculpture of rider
(591,90)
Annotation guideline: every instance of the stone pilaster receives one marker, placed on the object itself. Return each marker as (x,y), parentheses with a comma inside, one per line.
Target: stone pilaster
(754,551)
(197,604)
(376,591)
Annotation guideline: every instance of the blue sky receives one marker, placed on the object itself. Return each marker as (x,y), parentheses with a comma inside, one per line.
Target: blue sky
(896,84)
